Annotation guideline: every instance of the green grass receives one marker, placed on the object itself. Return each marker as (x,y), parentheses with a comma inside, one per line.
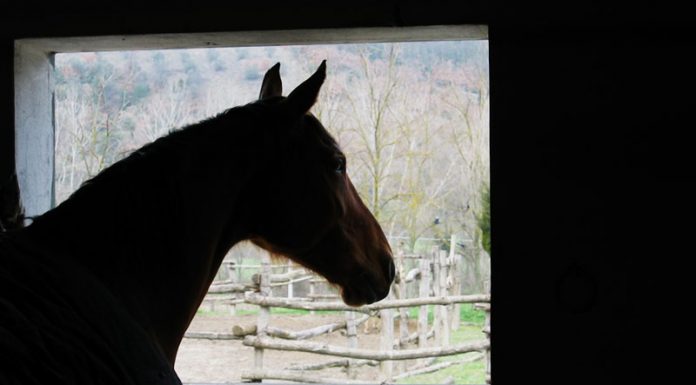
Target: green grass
(469,373)
(467,313)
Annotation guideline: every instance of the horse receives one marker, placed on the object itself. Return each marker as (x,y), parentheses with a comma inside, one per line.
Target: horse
(102,288)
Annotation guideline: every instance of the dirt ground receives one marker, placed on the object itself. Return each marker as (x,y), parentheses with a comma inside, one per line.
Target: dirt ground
(222,361)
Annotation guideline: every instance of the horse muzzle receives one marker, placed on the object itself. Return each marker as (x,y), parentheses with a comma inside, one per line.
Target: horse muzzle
(365,288)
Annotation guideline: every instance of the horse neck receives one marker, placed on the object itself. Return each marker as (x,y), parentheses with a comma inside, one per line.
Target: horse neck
(157,245)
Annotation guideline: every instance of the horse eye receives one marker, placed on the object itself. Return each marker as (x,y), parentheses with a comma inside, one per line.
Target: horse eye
(340,165)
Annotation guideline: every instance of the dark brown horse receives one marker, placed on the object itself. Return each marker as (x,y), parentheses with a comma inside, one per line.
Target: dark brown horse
(102,288)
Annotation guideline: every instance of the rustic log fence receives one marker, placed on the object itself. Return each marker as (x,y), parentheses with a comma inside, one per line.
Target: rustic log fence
(230,292)
(290,341)
(437,278)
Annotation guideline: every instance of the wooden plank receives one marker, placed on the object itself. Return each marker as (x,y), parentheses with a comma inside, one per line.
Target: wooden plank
(296,376)
(256,299)
(281,277)
(334,364)
(212,336)
(305,334)
(323,348)
(324,296)
(291,282)
(231,288)
(243,330)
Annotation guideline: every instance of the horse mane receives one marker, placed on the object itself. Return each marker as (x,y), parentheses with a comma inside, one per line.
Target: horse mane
(168,146)
(178,140)
(160,156)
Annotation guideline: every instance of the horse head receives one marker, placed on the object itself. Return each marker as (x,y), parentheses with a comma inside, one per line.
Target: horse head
(309,210)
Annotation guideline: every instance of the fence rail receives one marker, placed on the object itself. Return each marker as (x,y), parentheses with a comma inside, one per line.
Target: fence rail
(365,354)
(436,277)
(305,304)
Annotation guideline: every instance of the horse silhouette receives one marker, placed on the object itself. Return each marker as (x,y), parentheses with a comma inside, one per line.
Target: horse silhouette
(102,288)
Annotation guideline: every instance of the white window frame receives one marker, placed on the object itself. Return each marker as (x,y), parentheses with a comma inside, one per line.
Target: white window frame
(34,71)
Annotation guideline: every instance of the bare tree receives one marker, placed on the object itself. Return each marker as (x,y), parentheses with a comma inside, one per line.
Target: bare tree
(369,101)
(415,130)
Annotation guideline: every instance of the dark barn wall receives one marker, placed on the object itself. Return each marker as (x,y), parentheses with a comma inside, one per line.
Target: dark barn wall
(590,174)
(590,165)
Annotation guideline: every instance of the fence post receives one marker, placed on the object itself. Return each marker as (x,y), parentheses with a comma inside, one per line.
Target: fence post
(229,265)
(238,267)
(233,278)
(399,291)
(455,278)
(487,330)
(423,292)
(403,312)
(435,282)
(264,311)
(445,322)
(441,322)
(387,341)
(290,284)
(352,334)
(312,291)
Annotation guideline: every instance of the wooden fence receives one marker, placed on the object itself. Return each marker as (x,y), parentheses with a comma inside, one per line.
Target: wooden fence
(436,278)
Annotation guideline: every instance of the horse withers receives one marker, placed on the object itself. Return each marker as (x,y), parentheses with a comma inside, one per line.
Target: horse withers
(102,288)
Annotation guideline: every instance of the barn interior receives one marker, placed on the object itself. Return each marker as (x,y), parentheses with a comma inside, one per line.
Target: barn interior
(592,175)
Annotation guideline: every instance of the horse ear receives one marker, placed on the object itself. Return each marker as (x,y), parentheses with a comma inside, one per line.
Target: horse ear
(272,85)
(302,98)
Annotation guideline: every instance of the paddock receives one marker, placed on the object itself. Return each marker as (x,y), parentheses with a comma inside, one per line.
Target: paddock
(323,340)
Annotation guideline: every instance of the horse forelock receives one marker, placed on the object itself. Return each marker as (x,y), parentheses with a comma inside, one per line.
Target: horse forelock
(322,135)
(173,145)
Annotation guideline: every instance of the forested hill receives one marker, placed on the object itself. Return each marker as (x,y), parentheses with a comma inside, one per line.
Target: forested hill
(412,117)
